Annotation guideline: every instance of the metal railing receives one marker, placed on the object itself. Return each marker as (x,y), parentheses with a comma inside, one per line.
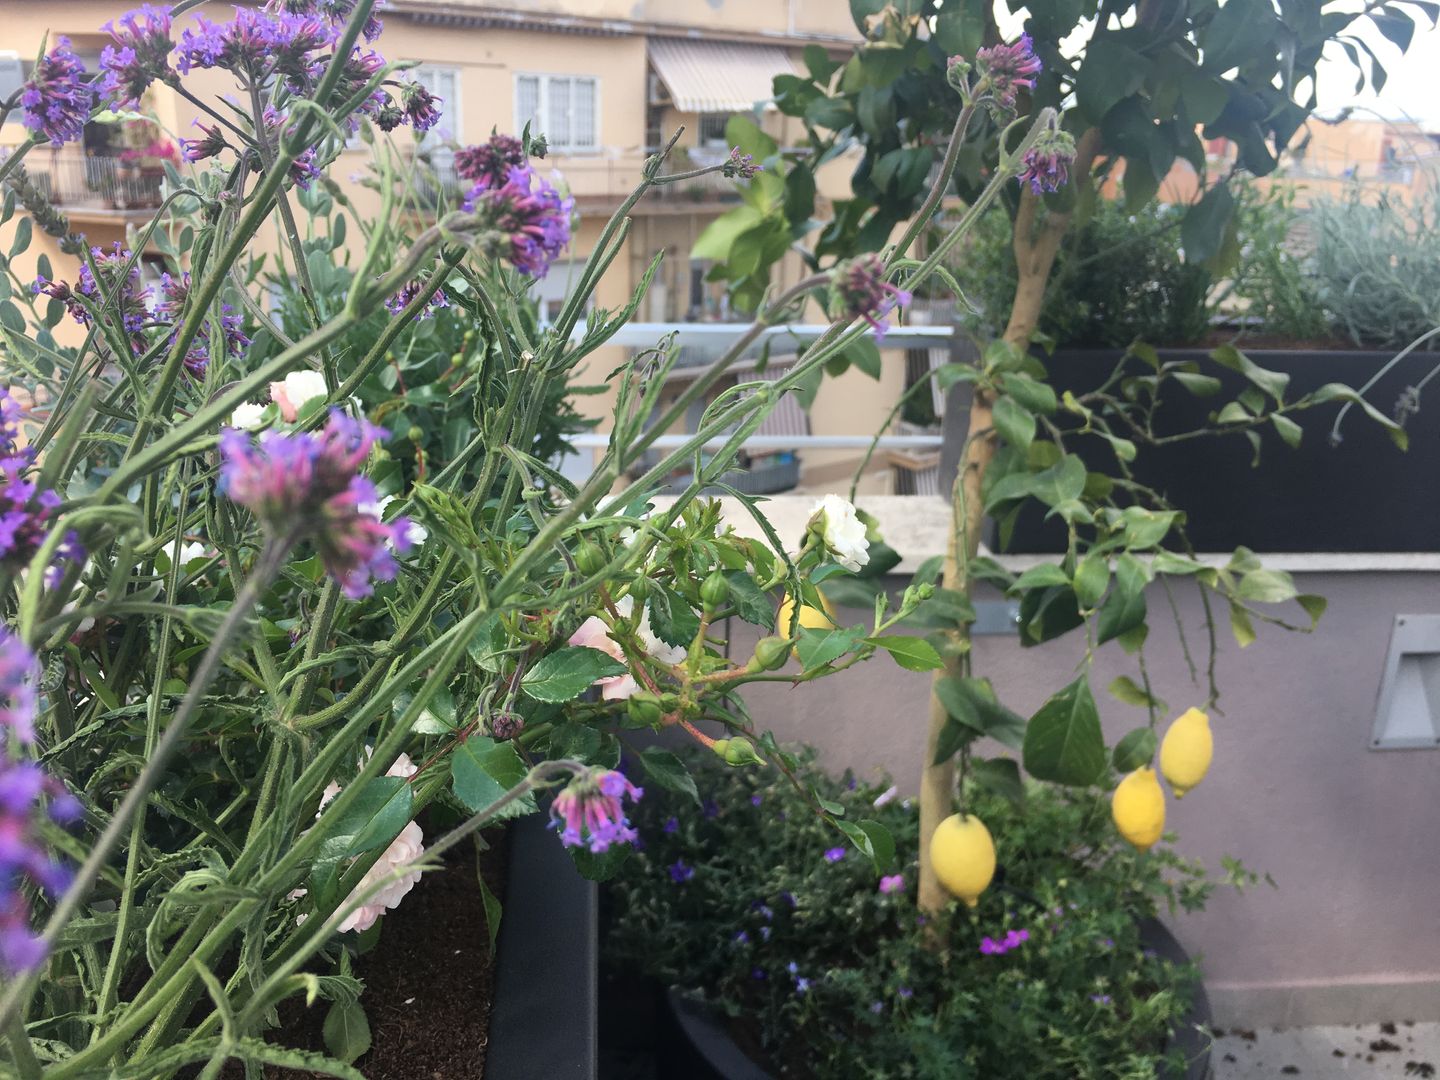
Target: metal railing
(913,456)
(72,180)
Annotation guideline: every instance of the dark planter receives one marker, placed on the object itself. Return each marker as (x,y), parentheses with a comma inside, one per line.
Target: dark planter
(1362,496)
(544,1024)
(706,1050)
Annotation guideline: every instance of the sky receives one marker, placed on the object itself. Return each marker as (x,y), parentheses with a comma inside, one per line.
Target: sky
(1413,87)
(1411,91)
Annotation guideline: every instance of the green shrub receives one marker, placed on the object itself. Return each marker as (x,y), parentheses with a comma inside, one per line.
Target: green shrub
(738,903)
(1120,277)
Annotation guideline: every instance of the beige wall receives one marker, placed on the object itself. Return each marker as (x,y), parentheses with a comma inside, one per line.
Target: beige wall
(820,17)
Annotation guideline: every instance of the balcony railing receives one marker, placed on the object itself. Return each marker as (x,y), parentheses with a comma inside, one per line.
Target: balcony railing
(606,177)
(774,456)
(73,180)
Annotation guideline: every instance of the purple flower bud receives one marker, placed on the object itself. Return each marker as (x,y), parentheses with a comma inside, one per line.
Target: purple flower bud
(397,303)
(57,100)
(421,107)
(25,508)
(210,144)
(860,289)
(740,166)
(489,164)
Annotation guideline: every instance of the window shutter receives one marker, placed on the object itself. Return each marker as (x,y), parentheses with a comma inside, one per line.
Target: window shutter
(584,120)
(527,104)
(559,132)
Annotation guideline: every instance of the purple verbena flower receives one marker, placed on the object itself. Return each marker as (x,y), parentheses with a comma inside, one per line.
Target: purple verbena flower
(173,293)
(57,99)
(892,883)
(1008,68)
(19,676)
(256,45)
(335,12)
(26,508)
(22,784)
(488,165)
(680,873)
(303,170)
(139,54)
(113,286)
(860,289)
(835,854)
(740,166)
(305,485)
(527,218)
(421,107)
(1046,169)
(360,68)
(590,811)
(397,303)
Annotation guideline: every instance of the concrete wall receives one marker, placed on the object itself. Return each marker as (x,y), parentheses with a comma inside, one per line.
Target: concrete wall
(1352,932)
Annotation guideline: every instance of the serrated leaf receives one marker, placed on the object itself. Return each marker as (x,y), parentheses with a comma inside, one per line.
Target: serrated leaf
(911,653)
(482,770)
(346,1031)
(669,772)
(1134,750)
(751,604)
(816,648)
(1063,742)
(566,673)
(673,620)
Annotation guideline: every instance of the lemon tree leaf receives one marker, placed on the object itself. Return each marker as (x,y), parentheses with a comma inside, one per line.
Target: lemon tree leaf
(1063,742)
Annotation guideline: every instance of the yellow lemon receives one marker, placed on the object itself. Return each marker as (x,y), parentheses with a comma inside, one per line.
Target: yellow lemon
(811,618)
(1185,754)
(1138,807)
(963,856)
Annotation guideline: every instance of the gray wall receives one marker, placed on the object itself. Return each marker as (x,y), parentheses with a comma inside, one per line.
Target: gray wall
(1350,835)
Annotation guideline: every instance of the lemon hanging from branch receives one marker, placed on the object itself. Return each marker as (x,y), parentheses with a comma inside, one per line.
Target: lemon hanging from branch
(963,855)
(1186,751)
(1138,807)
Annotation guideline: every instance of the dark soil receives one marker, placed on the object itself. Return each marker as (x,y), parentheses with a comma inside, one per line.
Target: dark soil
(429,980)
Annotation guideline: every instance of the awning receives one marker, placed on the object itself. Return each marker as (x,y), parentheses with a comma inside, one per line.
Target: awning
(715,76)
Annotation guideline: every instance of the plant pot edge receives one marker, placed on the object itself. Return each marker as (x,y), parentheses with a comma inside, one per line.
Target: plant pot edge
(546,958)
(713,1044)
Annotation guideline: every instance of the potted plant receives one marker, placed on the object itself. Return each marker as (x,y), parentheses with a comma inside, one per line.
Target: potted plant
(805,965)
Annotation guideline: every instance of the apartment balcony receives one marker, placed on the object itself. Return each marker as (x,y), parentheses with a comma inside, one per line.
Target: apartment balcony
(96,188)
(599,182)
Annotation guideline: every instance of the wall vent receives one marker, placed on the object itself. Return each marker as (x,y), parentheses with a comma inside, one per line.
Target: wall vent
(1407,716)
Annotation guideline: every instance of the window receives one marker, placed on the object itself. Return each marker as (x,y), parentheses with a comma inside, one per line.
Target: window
(712,129)
(443,83)
(563,108)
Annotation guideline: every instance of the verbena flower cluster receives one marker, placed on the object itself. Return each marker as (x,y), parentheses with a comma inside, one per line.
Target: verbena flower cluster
(528,217)
(27,794)
(25,507)
(57,99)
(304,485)
(174,291)
(489,164)
(590,811)
(860,289)
(1006,69)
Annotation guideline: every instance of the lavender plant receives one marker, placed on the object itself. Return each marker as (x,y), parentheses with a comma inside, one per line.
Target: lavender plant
(253,643)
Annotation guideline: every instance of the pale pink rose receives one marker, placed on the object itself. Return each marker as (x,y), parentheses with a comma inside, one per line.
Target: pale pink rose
(594,634)
(292,392)
(405,848)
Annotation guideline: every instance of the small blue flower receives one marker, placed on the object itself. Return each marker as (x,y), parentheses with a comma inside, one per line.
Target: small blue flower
(741,938)
(801,985)
(758,974)
(906,993)
(877,1007)
(712,809)
(764,933)
(680,873)
(756,800)
(671,825)
(792,967)
(835,854)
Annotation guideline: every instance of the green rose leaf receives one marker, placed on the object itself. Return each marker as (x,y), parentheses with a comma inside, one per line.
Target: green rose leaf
(669,772)
(911,653)
(482,770)
(565,674)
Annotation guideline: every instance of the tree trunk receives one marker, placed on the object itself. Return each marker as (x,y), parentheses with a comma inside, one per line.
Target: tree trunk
(1035,250)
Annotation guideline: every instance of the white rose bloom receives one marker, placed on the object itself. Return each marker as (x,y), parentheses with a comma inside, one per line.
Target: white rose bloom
(888,795)
(293,392)
(193,549)
(842,531)
(247,416)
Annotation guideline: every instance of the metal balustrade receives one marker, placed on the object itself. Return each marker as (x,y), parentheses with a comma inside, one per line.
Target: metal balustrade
(73,180)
